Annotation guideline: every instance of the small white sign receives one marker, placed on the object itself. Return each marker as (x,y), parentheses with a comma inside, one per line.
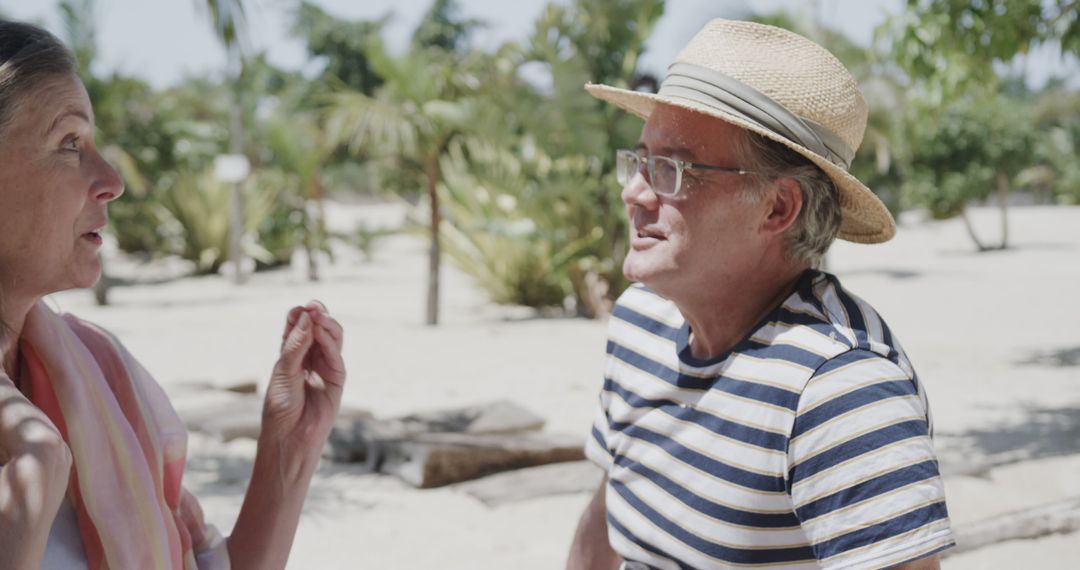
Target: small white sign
(231,167)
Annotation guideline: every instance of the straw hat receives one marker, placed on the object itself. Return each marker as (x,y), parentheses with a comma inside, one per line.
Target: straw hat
(782,86)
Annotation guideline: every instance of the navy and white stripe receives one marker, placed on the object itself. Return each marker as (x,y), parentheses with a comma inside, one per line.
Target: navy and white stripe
(805,446)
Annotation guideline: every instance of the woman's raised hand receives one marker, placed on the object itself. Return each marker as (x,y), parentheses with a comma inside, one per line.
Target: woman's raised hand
(305,390)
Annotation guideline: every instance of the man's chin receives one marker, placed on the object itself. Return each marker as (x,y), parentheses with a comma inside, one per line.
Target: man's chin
(639,270)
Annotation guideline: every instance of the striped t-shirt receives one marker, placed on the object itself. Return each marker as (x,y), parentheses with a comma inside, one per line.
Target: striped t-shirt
(806,445)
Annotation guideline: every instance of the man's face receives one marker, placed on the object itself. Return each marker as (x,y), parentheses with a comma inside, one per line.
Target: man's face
(707,235)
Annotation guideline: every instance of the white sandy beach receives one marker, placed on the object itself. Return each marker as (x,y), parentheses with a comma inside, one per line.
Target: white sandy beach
(992,336)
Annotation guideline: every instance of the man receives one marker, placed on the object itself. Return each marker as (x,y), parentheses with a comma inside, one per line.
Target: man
(754,412)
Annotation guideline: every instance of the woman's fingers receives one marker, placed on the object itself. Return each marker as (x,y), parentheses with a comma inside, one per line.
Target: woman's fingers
(290,321)
(332,327)
(329,355)
(318,341)
(297,343)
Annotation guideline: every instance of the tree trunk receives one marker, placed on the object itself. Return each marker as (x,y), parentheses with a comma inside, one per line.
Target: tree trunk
(1003,202)
(431,172)
(320,217)
(309,246)
(236,146)
(971,230)
(312,228)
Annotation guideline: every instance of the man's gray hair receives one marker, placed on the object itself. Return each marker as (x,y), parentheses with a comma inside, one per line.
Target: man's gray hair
(28,55)
(817,224)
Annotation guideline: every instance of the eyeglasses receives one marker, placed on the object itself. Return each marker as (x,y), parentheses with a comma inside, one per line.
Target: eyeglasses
(665,173)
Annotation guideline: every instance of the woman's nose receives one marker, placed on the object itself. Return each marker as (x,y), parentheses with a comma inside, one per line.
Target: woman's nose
(108,185)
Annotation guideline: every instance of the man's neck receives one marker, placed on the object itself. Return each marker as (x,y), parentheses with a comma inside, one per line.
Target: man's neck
(724,315)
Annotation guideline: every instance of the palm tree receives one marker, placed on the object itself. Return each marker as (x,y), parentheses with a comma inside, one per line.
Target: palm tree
(410,121)
(299,151)
(229,22)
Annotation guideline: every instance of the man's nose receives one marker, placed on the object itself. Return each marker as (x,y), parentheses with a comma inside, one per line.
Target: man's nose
(638,192)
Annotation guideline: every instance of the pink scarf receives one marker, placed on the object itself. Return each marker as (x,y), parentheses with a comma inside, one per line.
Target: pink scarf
(129,448)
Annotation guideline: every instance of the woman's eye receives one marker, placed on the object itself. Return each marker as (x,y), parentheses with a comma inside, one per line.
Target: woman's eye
(71,144)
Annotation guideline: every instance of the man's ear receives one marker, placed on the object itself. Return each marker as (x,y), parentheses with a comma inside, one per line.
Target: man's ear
(785,204)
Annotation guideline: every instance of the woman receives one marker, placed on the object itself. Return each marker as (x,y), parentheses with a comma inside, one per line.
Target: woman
(92,453)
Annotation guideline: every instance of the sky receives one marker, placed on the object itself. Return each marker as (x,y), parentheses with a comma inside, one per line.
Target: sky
(162,41)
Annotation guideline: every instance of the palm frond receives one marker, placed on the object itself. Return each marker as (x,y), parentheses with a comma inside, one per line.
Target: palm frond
(360,123)
(229,20)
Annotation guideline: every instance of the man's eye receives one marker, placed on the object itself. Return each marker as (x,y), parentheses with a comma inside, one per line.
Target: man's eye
(71,144)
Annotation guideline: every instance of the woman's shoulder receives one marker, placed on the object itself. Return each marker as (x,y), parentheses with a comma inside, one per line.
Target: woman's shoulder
(81,325)
(96,337)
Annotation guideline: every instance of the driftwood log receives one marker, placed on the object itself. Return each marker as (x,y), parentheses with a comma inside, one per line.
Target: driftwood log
(437,459)
(225,415)
(533,482)
(365,439)
(428,449)
(236,411)
(499,416)
(1059,517)
(441,447)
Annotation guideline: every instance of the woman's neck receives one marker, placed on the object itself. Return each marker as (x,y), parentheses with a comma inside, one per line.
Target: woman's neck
(14,310)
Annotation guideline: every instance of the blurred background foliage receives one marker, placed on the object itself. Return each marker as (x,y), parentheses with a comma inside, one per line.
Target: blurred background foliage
(506,162)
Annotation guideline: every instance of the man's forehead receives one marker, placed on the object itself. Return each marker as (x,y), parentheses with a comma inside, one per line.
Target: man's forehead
(673,148)
(674,130)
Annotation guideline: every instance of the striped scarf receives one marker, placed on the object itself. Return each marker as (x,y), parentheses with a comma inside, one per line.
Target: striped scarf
(128,447)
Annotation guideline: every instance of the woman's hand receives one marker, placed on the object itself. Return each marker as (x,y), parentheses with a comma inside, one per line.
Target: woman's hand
(301,402)
(305,390)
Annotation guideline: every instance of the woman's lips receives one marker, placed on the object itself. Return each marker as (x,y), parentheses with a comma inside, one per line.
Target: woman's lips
(92,237)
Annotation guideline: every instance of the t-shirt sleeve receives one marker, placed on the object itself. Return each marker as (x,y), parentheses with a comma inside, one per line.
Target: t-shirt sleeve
(597,448)
(862,471)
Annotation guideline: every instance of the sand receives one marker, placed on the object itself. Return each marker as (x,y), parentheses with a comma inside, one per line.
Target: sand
(991,335)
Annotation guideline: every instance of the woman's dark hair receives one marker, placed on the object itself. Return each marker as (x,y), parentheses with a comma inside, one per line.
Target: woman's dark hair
(28,54)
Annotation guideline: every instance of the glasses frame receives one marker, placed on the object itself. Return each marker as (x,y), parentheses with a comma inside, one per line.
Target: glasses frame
(680,166)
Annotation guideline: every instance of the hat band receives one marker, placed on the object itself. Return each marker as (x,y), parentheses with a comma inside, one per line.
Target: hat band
(727,94)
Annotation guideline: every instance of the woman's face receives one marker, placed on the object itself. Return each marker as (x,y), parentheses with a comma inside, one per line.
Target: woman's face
(54,189)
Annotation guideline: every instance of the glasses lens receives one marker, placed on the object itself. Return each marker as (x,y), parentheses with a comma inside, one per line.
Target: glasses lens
(626,166)
(663,175)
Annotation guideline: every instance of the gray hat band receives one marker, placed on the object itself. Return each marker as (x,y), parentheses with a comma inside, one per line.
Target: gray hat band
(727,94)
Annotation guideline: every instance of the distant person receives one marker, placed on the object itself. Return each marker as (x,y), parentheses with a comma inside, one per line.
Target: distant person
(754,412)
(92,453)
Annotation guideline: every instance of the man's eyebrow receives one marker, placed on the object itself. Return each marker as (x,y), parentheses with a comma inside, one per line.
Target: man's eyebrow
(668,151)
(677,152)
(68,113)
